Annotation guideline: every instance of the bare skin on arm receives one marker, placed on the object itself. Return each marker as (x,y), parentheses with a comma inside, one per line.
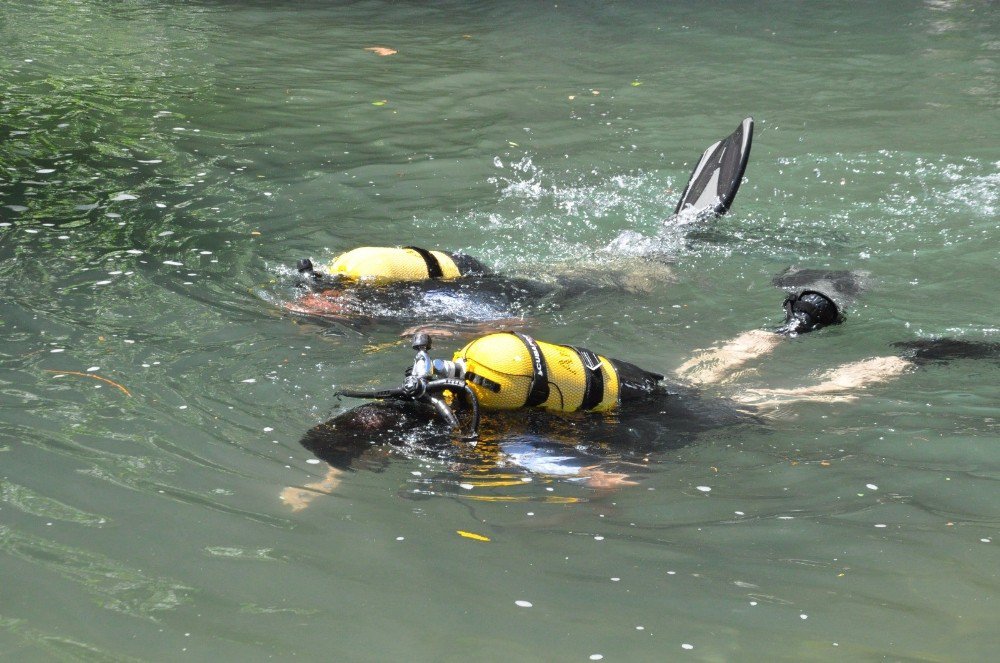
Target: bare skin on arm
(299,497)
(838,385)
(716,364)
(325,303)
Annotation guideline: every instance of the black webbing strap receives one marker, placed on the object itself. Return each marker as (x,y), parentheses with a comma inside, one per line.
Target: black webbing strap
(486,383)
(433,266)
(538,392)
(593,390)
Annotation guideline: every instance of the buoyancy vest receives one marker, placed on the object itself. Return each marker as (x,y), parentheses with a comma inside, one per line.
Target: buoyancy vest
(383,265)
(510,370)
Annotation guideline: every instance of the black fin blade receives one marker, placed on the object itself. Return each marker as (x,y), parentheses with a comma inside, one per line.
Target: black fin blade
(939,350)
(717,177)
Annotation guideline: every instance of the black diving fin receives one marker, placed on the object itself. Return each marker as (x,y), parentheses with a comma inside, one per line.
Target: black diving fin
(717,177)
(940,350)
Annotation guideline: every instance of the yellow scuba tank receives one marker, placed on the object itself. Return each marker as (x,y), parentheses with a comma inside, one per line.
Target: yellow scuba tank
(510,370)
(383,265)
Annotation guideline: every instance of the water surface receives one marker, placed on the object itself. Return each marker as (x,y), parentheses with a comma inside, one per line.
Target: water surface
(162,163)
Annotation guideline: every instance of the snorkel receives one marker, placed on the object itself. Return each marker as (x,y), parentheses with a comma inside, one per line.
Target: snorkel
(426,382)
(807,311)
(312,280)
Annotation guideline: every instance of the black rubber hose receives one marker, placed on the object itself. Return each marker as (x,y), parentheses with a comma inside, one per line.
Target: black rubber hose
(381,394)
(456,385)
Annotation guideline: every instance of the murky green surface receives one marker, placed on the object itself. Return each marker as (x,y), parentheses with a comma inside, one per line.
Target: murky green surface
(161,163)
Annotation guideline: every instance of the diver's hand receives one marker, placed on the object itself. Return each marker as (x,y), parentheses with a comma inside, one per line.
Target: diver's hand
(601,480)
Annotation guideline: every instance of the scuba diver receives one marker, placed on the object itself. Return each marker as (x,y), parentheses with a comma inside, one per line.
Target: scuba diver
(565,411)
(411,283)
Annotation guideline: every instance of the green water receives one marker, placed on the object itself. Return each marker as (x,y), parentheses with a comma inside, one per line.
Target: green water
(161,163)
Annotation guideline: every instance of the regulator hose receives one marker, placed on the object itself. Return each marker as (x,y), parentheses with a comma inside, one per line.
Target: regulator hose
(430,391)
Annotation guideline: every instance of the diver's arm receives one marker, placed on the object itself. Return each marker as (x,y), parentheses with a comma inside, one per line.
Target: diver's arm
(341,442)
(842,383)
(804,312)
(713,365)
(299,497)
(838,385)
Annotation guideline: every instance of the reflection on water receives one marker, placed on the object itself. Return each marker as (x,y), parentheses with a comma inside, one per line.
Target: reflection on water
(161,164)
(117,586)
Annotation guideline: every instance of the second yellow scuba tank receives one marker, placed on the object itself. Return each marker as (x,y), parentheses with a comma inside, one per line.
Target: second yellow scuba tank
(383,265)
(510,370)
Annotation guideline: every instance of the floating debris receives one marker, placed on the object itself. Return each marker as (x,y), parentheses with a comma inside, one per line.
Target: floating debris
(472,535)
(92,376)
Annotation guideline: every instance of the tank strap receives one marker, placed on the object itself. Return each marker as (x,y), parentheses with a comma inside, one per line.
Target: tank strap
(538,392)
(486,383)
(593,391)
(433,266)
